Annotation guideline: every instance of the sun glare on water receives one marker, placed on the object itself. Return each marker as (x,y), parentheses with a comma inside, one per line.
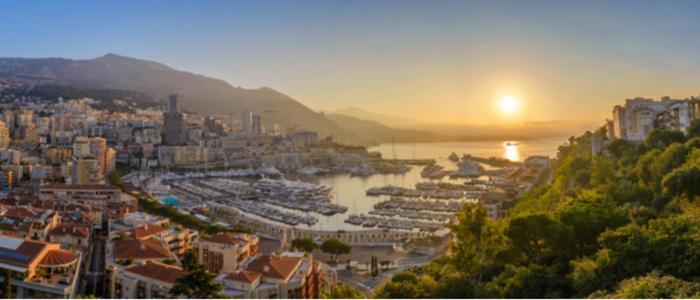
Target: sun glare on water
(509,104)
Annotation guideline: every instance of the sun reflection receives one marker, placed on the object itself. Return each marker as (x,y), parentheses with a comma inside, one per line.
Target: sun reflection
(511,151)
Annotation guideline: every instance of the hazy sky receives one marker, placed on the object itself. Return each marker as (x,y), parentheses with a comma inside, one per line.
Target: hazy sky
(429,60)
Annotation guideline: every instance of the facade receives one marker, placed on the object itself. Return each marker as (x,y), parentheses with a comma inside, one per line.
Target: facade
(150,279)
(226,252)
(123,254)
(287,276)
(639,116)
(103,200)
(173,123)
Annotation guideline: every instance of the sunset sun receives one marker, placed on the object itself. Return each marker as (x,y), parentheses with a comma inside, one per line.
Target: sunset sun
(509,104)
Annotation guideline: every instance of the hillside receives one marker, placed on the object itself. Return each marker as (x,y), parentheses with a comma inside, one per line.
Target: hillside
(198,93)
(380,133)
(625,224)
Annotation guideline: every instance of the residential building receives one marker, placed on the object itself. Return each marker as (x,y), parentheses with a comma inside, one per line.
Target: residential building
(639,116)
(39,269)
(287,276)
(225,252)
(150,279)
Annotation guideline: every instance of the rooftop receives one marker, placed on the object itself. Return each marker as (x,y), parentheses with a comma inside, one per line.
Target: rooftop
(140,249)
(277,267)
(158,271)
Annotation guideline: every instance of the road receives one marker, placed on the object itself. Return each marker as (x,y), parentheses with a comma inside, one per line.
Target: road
(95,277)
(366,284)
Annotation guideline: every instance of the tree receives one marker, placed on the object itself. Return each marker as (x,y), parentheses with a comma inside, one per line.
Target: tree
(342,291)
(374,270)
(693,130)
(531,281)
(477,240)
(304,244)
(661,138)
(589,215)
(601,171)
(653,286)
(684,180)
(196,282)
(539,237)
(385,264)
(407,285)
(335,248)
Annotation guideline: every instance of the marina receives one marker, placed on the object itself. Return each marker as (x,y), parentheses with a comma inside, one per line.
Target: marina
(319,198)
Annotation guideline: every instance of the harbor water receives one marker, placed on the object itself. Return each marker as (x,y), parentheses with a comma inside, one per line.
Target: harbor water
(351,191)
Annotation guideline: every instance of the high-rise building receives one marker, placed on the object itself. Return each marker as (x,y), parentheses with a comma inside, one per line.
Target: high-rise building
(255,125)
(4,136)
(91,160)
(87,171)
(173,123)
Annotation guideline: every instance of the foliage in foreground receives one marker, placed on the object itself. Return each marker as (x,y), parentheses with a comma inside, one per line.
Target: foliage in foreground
(625,224)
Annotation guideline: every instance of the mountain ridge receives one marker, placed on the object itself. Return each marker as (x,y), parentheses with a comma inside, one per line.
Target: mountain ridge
(197,92)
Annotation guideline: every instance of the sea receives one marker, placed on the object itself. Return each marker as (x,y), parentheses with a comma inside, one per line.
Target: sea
(351,191)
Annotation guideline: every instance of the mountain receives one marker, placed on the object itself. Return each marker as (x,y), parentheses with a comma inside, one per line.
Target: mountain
(380,133)
(386,119)
(198,93)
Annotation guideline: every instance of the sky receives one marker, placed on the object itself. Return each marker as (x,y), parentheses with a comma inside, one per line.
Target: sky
(447,61)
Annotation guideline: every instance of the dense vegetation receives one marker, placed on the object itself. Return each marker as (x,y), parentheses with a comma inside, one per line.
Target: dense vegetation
(625,223)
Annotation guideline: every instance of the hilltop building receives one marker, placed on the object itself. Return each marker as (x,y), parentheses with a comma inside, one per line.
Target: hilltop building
(634,120)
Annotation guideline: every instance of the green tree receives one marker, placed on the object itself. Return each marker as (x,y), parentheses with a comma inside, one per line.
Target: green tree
(342,291)
(407,286)
(693,130)
(661,138)
(589,215)
(540,237)
(601,171)
(196,282)
(335,248)
(476,242)
(304,244)
(531,281)
(684,180)
(653,286)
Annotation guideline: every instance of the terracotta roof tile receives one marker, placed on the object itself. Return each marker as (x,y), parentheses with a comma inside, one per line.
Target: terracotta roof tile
(71,229)
(147,231)
(58,258)
(228,238)
(140,249)
(79,187)
(157,271)
(279,267)
(244,276)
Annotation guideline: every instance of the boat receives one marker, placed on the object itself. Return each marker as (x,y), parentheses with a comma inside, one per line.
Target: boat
(512,143)
(362,171)
(431,170)
(468,168)
(453,157)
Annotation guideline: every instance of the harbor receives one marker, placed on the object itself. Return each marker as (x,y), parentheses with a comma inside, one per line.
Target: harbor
(320,197)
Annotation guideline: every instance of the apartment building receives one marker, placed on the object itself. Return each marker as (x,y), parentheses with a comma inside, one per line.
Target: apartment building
(634,120)
(226,251)
(39,269)
(292,275)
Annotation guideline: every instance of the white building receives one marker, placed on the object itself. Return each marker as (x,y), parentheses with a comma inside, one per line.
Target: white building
(639,116)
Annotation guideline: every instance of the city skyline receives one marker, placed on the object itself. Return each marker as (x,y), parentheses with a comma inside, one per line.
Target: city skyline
(575,59)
